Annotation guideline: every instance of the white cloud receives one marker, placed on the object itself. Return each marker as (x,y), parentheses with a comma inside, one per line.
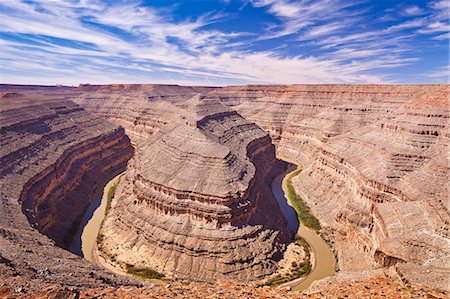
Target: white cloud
(325,29)
(435,27)
(413,11)
(416,23)
(298,15)
(442,36)
(442,72)
(160,50)
(442,9)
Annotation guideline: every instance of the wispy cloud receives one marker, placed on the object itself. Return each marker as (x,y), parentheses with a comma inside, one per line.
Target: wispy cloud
(298,15)
(90,41)
(413,11)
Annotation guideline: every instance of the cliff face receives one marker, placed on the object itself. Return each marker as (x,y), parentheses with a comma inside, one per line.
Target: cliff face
(375,165)
(375,168)
(375,173)
(195,201)
(140,109)
(52,156)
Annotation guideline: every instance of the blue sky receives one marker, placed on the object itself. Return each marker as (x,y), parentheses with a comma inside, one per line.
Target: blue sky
(206,42)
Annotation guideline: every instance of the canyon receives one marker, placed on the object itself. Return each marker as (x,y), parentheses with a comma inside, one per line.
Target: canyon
(199,163)
(196,202)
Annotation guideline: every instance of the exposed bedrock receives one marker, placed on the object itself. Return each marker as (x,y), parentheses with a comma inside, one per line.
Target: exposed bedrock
(375,164)
(375,172)
(196,203)
(53,155)
(140,109)
(365,150)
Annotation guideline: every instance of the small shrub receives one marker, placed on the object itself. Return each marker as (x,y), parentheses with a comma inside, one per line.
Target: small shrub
(144,272)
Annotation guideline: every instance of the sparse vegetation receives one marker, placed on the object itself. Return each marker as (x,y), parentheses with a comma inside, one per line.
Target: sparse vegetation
(144,272)
(297,270)
(110,195)
(304,213)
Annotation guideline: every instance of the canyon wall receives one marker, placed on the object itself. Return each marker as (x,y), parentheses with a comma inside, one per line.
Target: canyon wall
(375,168)
(375,164)
(375,173)
(140,109)
(53,155)
(196,201)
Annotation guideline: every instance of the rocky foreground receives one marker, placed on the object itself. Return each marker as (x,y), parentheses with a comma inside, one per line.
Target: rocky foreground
(376,287)
(375,173)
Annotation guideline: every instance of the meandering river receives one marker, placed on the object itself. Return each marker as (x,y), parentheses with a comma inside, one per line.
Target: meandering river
(86,237)
(322,258)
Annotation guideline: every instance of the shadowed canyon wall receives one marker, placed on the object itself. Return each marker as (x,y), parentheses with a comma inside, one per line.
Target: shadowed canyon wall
(53,155)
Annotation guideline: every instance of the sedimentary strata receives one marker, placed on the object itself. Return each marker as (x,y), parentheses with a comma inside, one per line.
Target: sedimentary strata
(365,150)
(53,155)
(375,168)
(374,157)
(140,109)
(196,203)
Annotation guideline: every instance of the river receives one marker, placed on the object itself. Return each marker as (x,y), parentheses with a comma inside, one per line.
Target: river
(86,237)
(322,257)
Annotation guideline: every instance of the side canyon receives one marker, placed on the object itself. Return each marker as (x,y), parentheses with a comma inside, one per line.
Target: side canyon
(195,201)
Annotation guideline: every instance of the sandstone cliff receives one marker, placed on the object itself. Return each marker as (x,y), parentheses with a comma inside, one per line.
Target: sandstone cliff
(196,202)
(375,164)
(375,161)
(52,156)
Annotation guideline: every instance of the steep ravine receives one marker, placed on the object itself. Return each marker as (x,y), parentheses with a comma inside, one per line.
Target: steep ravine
(53,156)
(374,156)
(55,199)
(369,154)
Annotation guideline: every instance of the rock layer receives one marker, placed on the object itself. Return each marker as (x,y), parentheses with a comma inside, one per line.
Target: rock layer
(52,156)
(365,150)
(375,162)
(196,202)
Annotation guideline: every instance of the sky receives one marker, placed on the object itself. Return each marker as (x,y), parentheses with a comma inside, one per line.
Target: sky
(224,42)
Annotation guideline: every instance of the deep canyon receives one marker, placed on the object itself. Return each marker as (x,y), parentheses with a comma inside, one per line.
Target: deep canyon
(195,201)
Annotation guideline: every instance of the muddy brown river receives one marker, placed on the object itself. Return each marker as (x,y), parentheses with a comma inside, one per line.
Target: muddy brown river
(322,257)
(86,238)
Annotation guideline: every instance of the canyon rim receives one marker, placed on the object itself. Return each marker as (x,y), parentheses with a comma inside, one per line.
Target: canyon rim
(224,149)
(195,203)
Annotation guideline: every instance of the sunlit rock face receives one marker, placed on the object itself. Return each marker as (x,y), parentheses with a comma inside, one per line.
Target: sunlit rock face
(375,162)
(375,173)
(371,154)
(196,201)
